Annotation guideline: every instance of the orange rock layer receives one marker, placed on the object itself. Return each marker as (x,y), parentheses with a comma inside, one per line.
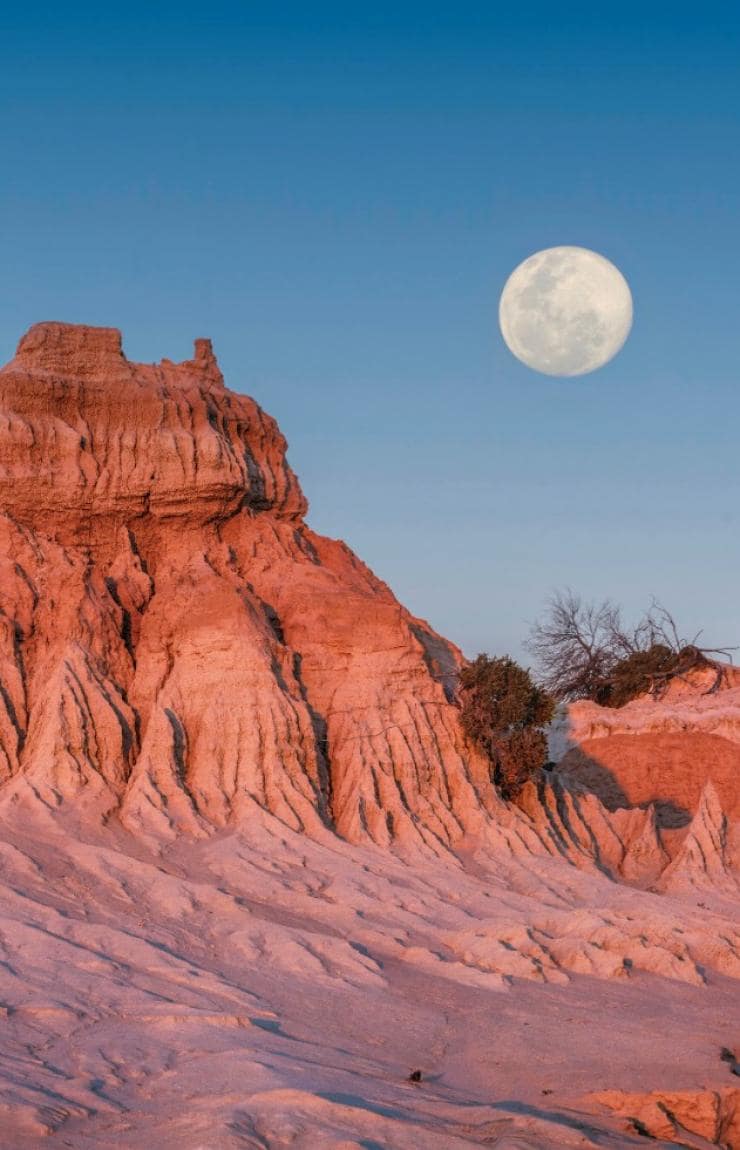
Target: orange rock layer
(662,750)
(179,651)
(176,646)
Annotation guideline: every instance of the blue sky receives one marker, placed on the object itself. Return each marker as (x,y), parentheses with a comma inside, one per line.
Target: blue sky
(336,195)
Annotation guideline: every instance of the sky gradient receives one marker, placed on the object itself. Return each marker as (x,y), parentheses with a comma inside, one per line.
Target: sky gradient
(336,194)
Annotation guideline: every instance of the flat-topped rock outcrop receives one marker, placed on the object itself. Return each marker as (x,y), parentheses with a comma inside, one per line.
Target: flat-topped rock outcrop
(177,645)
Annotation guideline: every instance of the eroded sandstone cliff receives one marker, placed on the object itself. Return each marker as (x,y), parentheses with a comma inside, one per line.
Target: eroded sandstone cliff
(661,749)
(178,650)
(180,654)
(176,644)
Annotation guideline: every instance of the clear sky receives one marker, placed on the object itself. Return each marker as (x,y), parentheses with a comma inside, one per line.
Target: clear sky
(336,194)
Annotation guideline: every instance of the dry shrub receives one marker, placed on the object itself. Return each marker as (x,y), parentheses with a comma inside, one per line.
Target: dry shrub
(502,711)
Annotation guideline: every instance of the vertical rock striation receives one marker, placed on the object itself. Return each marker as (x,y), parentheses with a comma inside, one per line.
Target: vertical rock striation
(177,647)
(179,651)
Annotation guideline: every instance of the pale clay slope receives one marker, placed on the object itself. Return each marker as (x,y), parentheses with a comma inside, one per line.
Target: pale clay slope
(264,989)
(252,874)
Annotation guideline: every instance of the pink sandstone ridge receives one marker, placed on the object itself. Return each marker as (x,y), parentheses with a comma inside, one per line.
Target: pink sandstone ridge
(663,749)
(256,891)
(178,645)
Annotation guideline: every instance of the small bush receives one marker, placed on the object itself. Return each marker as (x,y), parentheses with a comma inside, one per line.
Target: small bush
(636,674)
(502,710)
(585,651)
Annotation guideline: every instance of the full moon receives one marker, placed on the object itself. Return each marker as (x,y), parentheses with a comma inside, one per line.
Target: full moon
(565,311)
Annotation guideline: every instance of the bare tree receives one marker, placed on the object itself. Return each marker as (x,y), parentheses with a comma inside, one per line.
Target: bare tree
(574,644)
(656,627)
(585,650)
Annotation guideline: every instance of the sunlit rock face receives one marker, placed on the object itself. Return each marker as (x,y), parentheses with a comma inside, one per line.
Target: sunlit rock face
(201,702)
(179,651)
(90,440)
(177,646)
(661,749)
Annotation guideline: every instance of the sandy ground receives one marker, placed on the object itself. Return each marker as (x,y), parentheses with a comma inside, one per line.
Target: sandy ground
(264,990)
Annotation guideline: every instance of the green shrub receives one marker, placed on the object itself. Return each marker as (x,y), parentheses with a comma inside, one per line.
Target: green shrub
(502,710)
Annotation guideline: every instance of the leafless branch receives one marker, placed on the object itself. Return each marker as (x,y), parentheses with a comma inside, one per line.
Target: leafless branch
(577,645)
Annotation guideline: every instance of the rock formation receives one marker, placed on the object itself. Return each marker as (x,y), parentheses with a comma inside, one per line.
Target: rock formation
(177,644)
(660,749)
(712,1115)
(180,655)
(179,649)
